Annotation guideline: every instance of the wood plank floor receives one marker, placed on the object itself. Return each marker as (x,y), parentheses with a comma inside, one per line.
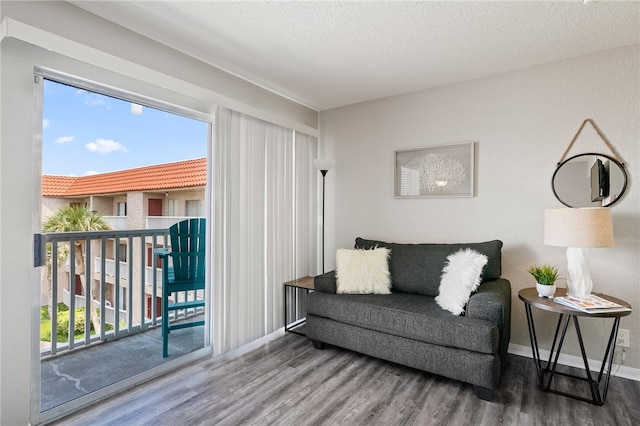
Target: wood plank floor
(288,382)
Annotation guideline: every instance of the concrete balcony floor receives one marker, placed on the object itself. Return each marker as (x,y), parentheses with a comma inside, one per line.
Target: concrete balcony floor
(74,374)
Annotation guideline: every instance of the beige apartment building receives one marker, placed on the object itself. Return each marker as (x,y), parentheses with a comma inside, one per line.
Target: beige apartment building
(144,198)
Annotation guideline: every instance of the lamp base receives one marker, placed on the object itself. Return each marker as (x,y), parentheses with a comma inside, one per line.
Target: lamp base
(579,283)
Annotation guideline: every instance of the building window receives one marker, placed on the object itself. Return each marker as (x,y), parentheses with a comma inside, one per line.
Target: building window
(122,253)
(121,209)
(193,208)
(123,298)
(172,207)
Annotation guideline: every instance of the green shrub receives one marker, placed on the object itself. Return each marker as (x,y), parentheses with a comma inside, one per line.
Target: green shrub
(45,329)
(63,322)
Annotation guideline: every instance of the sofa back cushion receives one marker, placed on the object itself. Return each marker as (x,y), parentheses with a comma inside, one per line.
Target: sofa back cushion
(417,268)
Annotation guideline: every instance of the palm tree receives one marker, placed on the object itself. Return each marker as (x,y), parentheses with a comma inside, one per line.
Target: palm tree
(78,219)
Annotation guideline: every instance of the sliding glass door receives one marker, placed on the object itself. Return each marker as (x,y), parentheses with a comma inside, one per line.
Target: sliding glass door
(118,170)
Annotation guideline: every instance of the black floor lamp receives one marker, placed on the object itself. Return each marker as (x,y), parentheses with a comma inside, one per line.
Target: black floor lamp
(324,165)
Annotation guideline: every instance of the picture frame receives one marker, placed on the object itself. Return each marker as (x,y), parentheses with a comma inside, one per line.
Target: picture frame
(435,171)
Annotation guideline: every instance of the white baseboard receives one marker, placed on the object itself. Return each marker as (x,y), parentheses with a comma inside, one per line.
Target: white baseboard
(576,361)
(248,347)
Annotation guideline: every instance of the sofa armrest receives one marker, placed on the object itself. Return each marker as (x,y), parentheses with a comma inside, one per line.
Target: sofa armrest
(326,282)
(492,302)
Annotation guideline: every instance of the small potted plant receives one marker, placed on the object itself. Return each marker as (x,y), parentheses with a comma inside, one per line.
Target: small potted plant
(546,277)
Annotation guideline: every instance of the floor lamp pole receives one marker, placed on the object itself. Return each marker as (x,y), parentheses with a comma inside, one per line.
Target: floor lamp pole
(324,174)
(323,164)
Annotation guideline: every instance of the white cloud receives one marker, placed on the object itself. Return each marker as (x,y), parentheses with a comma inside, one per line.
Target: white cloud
(46,123)
(95,100)
(105,146)
(91,173)
(65,139)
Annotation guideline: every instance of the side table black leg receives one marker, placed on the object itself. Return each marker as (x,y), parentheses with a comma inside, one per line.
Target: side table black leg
(552,367)
(598,382)
(608,359)
(286,322)
(555,341)
(593,385)
(291,294)
(534,345)
(295,301)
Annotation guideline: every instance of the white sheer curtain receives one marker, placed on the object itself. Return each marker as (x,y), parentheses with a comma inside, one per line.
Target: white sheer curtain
(264,184)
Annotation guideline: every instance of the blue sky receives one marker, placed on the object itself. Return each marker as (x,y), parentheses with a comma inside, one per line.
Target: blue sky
(87,133)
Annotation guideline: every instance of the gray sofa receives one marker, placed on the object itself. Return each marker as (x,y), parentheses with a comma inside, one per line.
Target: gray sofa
(408,327)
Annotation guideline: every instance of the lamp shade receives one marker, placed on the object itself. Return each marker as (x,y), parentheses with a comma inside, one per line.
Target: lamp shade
(323,163)
(583,228)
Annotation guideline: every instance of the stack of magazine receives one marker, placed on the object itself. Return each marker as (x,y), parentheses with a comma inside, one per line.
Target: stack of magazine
(591,304)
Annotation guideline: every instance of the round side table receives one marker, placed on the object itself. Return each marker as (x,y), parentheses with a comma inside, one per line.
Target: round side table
(546,370)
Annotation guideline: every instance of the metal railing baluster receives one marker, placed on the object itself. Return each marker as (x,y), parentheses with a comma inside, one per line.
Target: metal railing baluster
(100,269)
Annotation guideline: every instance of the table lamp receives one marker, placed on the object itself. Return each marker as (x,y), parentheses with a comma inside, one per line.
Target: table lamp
(578,229)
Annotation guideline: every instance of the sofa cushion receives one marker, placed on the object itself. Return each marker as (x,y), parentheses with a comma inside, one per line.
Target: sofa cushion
(460,276)
(363,271)
(416,268)
(407,315)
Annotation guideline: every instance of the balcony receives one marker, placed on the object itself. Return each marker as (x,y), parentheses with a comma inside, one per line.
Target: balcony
(116,222)
(151,222)
(110,312)
(164,222)
(110,268)
(128,340)
(77,373)
(110,271)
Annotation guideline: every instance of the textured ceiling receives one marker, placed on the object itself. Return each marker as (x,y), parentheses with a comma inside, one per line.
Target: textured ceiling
(331,54)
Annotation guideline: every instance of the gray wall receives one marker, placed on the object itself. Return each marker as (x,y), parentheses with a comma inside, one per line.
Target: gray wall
(523,121)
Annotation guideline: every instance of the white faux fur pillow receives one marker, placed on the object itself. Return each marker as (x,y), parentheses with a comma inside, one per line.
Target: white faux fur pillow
(363,271)
(460,276)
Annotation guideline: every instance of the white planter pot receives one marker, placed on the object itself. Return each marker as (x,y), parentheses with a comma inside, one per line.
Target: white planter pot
(546,290)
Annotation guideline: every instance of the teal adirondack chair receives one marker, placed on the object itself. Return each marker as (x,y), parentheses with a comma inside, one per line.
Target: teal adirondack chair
(185,273)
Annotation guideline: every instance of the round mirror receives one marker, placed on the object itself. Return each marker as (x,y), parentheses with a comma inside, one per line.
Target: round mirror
(589,180)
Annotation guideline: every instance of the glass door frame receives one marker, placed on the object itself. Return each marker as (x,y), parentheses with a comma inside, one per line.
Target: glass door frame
(40,74)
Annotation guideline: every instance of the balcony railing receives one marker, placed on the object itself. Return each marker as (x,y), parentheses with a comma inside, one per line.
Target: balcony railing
(151,222)
(110,271)
(116,222)
(110,316)
(154,222)
(110,268)
(125,294)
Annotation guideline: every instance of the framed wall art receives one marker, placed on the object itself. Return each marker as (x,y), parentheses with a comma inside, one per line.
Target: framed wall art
(435,171)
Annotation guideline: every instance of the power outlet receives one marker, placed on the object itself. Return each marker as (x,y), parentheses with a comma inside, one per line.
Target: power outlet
(623,338)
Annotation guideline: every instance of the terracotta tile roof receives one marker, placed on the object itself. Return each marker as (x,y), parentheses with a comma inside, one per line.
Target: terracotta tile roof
(178,175)
(56,186)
